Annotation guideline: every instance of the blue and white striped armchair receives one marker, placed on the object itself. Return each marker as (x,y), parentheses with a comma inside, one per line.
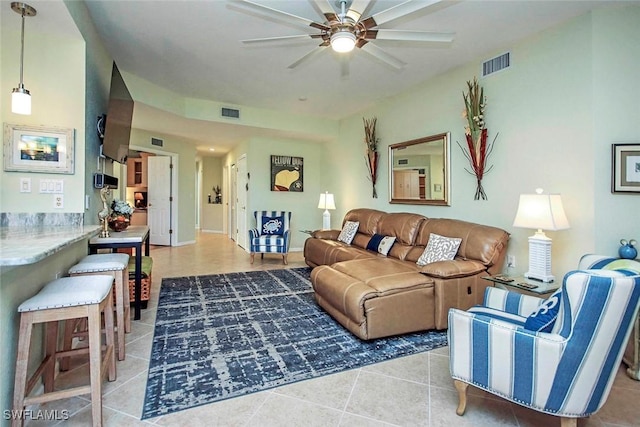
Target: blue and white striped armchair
(271,234)
(558,356)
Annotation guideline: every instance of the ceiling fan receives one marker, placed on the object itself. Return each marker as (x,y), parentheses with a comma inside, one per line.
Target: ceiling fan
(347,29)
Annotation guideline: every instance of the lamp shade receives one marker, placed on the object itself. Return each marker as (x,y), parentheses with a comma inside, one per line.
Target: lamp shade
(20,101)
(541,211)
(326,201)
(343,41)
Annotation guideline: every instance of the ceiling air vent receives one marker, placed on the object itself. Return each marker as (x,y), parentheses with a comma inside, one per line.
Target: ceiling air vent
(496,64)
(157,142)
(231,113)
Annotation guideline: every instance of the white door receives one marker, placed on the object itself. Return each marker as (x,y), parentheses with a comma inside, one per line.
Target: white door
(159,200)
(233,199)
(241,191)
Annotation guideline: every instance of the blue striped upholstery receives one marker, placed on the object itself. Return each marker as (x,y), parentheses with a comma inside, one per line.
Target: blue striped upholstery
(567,372)
(268,243)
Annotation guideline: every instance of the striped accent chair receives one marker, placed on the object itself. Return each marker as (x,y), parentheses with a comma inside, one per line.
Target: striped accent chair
(271,234)
(567,371)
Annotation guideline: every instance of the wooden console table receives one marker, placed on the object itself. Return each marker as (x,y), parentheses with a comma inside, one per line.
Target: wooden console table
(133,237)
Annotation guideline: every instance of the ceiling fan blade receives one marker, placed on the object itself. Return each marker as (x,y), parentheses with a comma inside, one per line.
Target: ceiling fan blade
(357,9)
(396,12)
(380,54)
(278,14)
(281,38)
(414,36)
(326,10)
(307,57)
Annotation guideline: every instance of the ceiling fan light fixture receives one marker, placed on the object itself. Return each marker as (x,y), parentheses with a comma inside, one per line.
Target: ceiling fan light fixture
(343,41)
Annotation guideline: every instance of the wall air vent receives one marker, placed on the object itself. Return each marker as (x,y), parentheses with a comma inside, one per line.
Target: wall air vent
(157,142)
(496,64)
(230,112)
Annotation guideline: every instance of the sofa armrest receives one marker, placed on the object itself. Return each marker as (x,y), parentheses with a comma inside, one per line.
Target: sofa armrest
(453,269)
(326,234)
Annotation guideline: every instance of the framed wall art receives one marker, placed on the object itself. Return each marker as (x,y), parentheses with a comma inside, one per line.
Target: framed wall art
(39,149)
(287,173)
(625,168)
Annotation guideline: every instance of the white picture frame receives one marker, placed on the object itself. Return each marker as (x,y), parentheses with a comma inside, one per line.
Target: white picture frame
(39,149)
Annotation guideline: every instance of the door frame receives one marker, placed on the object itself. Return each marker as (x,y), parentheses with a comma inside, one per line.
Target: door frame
(174,215)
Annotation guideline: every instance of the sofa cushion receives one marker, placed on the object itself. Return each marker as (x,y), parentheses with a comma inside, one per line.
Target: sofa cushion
(381,244)
(439,248)
(386,276)
(453,269)
(368,219)
(403,226)
(349,230)
(479,242)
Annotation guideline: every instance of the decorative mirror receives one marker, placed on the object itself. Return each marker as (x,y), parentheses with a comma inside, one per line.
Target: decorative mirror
(419,171)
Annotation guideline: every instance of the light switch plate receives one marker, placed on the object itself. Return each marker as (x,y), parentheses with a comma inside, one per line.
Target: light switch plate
(25,185)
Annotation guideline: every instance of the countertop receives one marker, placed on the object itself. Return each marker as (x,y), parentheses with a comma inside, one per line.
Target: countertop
(28,245)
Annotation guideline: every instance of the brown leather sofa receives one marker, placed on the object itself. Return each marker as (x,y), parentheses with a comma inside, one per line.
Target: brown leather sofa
(376,296)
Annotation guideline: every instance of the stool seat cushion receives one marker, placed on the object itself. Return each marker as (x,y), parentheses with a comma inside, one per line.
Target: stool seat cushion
(69,292)
(100,262)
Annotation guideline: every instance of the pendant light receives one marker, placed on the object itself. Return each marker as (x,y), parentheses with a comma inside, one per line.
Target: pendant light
(20,97)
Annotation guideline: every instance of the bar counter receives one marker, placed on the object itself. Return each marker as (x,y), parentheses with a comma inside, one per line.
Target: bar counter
(28,245)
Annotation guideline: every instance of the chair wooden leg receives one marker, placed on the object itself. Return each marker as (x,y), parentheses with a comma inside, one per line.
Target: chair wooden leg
(284,259)
(67,341)
(109,356)
(251,256)
(568,422)
(51,345)
(127,301)
(119,293)
(22,363)
(462,396)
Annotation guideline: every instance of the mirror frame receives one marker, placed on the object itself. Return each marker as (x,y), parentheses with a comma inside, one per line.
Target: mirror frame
(446,157)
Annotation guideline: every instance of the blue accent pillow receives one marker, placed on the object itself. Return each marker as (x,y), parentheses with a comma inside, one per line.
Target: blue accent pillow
(381,244)
(545,316)
(273,225)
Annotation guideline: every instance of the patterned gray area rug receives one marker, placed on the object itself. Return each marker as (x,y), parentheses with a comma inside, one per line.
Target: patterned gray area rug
(226,335)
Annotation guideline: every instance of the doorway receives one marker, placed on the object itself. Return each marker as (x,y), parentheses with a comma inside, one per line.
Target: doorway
(242,189)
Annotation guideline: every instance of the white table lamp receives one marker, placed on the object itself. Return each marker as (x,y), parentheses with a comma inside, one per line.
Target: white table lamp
(542,212)
(326,202)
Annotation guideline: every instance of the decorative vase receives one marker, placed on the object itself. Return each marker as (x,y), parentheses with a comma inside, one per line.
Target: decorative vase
(118,224)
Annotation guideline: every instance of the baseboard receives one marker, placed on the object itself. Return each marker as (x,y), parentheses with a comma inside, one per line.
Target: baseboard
(188,242)
(211,231)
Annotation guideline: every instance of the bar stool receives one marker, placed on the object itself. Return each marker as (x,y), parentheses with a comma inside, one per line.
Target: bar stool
(117,265)
(67,299)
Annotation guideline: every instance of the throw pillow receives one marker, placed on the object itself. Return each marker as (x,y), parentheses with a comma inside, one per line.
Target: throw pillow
(381,244)
(348,232)
(544,317)
(439,248)
(273,225)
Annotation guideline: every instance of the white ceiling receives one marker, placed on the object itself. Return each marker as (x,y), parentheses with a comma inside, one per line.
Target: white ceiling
(193,48)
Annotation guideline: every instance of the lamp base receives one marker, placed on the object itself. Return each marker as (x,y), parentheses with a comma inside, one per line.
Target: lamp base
(540,258)
(326,220)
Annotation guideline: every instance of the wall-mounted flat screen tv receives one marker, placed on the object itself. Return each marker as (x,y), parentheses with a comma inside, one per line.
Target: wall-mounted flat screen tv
(117,129)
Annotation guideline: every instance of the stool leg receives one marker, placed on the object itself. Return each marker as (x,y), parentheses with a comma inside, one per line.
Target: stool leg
(51,345)
(118,291)
(110,358)
(67,341)
(95,363)
(127,300)
(22,363)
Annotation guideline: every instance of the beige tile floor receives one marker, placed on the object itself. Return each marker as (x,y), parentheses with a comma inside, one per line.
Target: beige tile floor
(414,390)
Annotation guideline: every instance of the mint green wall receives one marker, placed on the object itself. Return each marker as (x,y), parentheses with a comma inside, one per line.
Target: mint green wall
(303,205)
(184,195)
(616,114)
(54,74)
(558,109)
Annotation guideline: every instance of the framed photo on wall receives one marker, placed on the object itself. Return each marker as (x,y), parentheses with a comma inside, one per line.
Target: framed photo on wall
(287,173)
(38,149)
(625,168)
